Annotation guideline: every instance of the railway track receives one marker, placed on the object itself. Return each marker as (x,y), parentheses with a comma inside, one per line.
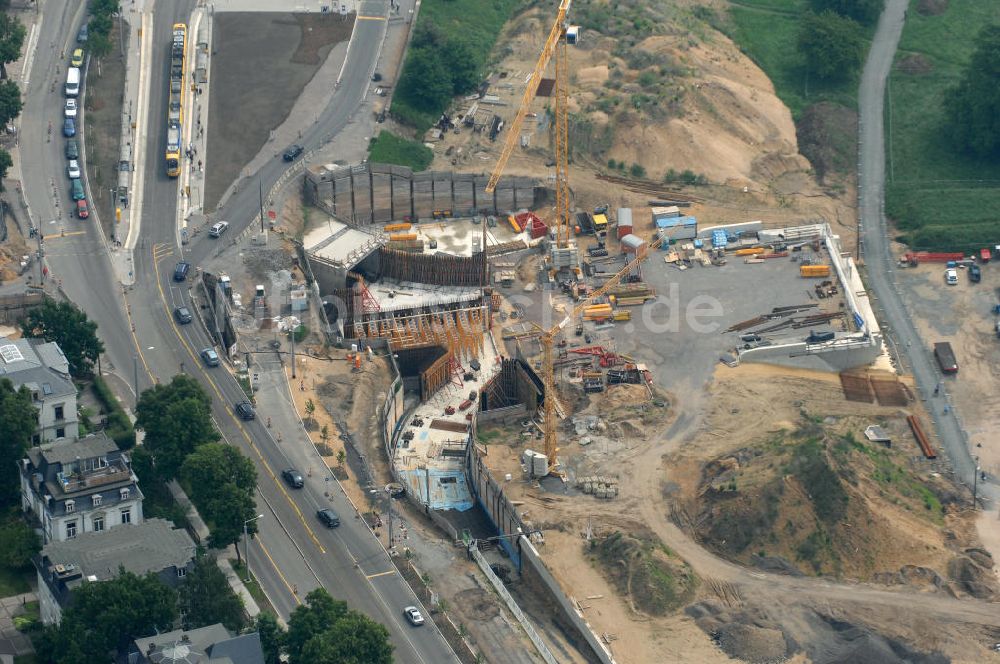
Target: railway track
(649,187)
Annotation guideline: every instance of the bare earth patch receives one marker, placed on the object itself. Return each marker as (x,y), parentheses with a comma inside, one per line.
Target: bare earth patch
(915,64)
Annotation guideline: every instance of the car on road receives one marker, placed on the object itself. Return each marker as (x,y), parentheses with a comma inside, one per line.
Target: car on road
(218,228)
(71,108)
(69,127)
(413,614)
(328,517)
(210,357)
(293,478)
(73,169)
(293,152)
(975,274)
(245,410)
(72,149)
(77,59)
(951,276)
(82,209)
(181,270)
(183,315)
(81,36)
(76,190)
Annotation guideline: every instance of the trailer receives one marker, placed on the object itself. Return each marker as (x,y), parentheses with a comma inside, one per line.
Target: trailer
(984,255)
(945,357)
(914,258)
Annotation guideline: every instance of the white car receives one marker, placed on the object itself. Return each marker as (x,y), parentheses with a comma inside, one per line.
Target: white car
(73,170)
(412,614)
(951,276)
(71,108)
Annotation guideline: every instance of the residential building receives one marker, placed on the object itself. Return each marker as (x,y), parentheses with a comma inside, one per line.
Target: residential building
(213,644)
(44,370)
(153,546)
(79,486)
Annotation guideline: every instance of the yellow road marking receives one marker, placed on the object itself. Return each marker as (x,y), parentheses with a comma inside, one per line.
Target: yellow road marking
(218,393)
(371,18)
(291,590)
(372,576)
(56,236)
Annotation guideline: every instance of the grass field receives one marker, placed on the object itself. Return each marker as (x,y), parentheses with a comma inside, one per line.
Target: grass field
(388,148)
(767,31)
(939,199)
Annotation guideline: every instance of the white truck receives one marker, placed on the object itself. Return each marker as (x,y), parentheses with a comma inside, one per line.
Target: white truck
(73,82)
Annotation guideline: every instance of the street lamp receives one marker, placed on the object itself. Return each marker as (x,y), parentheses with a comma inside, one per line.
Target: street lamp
(246,544)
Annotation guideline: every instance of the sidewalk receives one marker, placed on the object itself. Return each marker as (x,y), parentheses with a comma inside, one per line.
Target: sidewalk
(13,642)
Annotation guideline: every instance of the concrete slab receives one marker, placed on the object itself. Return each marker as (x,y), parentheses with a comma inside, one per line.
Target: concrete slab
(339,243)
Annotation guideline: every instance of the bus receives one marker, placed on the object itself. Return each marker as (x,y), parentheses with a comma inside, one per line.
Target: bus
(175,99)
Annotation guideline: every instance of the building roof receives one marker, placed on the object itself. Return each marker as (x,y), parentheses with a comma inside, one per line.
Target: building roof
(39,365)
(68,451)
(211,644)
(150,546)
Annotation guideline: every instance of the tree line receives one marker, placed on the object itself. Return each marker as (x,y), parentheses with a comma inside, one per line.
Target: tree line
(831,37)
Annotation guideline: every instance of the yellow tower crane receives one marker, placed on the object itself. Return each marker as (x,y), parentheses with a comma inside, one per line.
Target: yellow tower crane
(554,44)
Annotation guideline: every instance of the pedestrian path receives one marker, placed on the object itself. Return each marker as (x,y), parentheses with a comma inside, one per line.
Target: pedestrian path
(13,642)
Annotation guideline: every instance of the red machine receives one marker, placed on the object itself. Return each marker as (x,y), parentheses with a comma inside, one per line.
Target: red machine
(984,255)
(916,257)
(605,357)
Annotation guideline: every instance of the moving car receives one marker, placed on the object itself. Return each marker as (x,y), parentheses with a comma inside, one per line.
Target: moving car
(76,190)
(245,410)
(218,229)
(183,315)
(181,270)
(951,276)
(293,152)
(975,274)
(328,517)
(73,169)
(77,59)
(69,127)
(82,209)
(71,108)
(211,359)
(81,36)
(72,149)
(413,614)
(293,478)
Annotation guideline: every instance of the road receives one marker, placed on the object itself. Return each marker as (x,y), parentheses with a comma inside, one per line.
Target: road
(76,252)
(880,267)
(292,553)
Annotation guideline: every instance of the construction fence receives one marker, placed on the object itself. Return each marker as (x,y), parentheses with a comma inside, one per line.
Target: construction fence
(379,193)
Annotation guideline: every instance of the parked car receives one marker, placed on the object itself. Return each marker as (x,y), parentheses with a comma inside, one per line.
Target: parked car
(245,410)
(211,359)
(82,209)
(975,274)
(181,270)
(413,614)
(77,59)
(292,153)
(73,169)
(293,478)
(218,229)
(951,276)
(71,108)
(72,149)
(183,315)
(69,127)
(328,517)
(81,35)
(76,190)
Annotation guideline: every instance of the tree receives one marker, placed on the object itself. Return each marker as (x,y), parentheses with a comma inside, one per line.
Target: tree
(5,163)
(272,637)
(464,67)
(863,11)
(106,615)
(310,408)
(833,46)
(205,598)
(325,631)
(11,40)
(212,466)
(18,415)
(69,327)
(18,543)
(226,515)
(426,81)
(10,101)
(972,108)
(177,418)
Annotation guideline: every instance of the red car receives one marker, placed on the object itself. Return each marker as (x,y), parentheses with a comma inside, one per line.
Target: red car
(82,211)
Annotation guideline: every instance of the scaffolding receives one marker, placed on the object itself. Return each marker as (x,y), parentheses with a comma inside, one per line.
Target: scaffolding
(460,330)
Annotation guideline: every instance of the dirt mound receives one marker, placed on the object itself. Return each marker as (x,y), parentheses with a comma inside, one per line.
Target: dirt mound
(932,7)
(828,137)
(971,576)
(757,645)
(915,64)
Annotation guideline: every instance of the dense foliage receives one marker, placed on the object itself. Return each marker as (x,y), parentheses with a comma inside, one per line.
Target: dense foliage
(68,326)
(972,108)
(833,46)
(862,11)
(177,418)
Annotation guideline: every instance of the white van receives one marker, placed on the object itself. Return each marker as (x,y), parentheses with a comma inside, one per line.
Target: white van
(73,82)
(218,229)
(951,276)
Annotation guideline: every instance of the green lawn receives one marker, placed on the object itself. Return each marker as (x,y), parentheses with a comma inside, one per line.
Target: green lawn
(767,31)
(388,148)
(939,198)
(15,581)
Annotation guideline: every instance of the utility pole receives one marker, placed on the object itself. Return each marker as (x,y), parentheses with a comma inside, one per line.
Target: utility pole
(135,377)
(388,495)
(246,545)
(975,483)
(260,201)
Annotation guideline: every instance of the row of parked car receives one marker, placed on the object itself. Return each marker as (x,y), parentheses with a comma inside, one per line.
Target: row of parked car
(71,113)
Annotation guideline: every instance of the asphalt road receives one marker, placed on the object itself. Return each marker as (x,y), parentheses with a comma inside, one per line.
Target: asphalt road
(879,263)
(292,553)
(75,250)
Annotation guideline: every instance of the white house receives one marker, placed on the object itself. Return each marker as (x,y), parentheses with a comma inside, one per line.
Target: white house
(79,486)
(44,370)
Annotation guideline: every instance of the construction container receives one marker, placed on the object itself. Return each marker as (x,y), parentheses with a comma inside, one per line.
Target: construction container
(402,226)
(402,237)
(624,222)
(665,212)
(632,243)
(750,251)
(600,223)
(814,270)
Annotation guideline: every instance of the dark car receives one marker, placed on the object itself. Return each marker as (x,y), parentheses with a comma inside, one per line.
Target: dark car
(975,274)
(183,315)
(69,127)
(292,153)
(245,410)
(413,614)
(81,36)
(72,149)
(293,478)
(816,337)
(181,270)
(328,517)
(211,359)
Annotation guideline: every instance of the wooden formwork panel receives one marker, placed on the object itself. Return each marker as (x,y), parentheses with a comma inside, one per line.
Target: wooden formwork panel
(857,387)
(890,392)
